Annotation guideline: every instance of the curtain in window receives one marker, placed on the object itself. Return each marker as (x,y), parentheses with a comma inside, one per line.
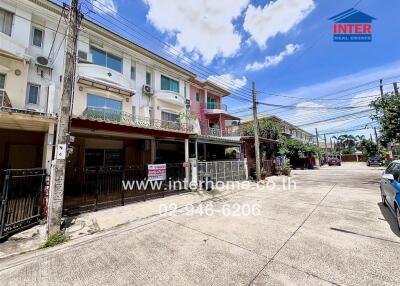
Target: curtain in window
(6,20)
(169,84)
(37,37)
(33,94)
(2,81)
(166,116)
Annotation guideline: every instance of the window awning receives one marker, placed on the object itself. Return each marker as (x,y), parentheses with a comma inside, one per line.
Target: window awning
(103,85)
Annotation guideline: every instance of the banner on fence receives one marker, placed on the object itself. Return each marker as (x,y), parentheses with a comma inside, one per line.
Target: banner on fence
(157,172)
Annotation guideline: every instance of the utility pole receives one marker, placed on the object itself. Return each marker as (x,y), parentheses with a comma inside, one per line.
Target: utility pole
(396,89)
(376,136)
(332,148)
(326,146)
(316,136)
(381,86)
(370,137)
(256,139)
(56,196)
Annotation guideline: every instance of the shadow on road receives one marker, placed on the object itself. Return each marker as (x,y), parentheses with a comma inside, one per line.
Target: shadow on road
(390,218)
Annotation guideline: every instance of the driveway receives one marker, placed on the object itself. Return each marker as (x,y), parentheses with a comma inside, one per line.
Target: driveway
(330,229)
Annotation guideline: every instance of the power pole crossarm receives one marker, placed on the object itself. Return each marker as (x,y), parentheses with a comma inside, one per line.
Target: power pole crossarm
(56,197)
(256,139)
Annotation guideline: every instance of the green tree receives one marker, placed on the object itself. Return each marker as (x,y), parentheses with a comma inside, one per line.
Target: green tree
(369,148)
(387,115)
(347,141)
(267,129)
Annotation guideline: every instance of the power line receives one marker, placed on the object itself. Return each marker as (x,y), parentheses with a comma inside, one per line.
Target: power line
(175,53)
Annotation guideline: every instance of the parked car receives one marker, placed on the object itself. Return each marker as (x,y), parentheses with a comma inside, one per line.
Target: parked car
(374,161)
(390,189)
(334,161)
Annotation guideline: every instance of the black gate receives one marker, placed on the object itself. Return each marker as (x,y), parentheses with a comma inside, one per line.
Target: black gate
(21,198)
(95,188)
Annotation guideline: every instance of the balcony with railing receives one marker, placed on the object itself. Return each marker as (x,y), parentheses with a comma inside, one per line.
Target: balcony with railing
(227,131)
(215,108)
(4,99)
(125,118)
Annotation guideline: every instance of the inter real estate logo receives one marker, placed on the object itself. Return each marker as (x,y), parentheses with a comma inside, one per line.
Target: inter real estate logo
(352,26)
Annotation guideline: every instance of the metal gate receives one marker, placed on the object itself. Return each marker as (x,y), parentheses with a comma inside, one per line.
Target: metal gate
(101,187)
(21,198)
(222,170)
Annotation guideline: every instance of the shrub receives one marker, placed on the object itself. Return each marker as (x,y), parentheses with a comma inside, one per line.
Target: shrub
(55,239)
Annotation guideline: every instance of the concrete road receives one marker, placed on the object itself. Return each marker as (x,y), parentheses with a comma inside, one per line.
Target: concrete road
(331,229)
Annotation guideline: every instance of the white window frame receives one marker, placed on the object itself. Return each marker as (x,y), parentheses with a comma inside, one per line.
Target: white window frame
(30,84)
(33,36)
(5,80)
(12,22)
(133,66)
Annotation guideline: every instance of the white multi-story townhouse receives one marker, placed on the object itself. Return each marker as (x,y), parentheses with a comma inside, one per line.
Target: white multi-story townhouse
(130,105)
(31,69)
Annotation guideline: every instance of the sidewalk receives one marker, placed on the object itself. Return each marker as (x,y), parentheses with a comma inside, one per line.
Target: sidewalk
(94,222)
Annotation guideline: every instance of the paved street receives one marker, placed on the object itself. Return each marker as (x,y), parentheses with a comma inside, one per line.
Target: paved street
(331,230)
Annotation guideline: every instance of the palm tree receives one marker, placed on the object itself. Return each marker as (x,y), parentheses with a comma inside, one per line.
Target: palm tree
(359,139)
(347,140)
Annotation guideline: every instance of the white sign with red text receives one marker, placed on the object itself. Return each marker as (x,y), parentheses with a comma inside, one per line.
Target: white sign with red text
(157,172)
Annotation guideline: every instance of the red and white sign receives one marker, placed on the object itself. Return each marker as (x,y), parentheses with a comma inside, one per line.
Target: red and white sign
(157,172)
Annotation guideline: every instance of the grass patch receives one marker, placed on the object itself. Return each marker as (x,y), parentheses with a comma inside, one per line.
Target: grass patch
(55,239)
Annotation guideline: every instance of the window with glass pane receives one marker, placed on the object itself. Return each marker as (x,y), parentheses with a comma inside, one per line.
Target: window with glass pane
(2,81)
(133,73)
(169,84)
(148,78)
(197,96)
(37,37)
(102,58)
(104,108)
(211,103)
(33,94)
(6,21)
(167,116)
(114,63)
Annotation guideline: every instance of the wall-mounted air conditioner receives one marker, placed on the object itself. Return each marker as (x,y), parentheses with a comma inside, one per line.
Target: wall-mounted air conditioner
(148,90)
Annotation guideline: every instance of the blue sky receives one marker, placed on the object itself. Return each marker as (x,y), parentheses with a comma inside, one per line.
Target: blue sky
(285,46)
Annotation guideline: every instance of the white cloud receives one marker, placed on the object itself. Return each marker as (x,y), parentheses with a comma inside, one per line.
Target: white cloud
(275,17)
(360,96)
(104,7)
(228,80)
(205,28)
(273,60)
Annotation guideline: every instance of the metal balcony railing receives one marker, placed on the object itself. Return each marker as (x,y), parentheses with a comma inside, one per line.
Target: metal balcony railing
(4,100)
(216,131)
(125,118)
(216,105)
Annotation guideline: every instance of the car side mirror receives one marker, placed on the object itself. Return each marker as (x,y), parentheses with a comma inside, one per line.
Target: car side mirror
(388,177)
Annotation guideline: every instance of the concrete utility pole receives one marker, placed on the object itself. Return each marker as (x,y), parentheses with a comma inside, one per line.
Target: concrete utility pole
(316,136)
(256,139)
(396,89)
(332,148)
(56,196)
(381,86)
(326,146)
(376,136)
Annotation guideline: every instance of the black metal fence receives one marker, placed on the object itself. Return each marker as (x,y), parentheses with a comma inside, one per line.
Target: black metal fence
(21,197)
(222,170)
(102,187)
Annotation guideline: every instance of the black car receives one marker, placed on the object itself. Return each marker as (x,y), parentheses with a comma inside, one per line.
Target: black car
(334,161)
(374,161)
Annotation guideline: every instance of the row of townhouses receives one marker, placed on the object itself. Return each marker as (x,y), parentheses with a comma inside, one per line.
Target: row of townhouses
(130,108)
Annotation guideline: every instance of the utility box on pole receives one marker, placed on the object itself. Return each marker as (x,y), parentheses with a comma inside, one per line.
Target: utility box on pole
(56,196)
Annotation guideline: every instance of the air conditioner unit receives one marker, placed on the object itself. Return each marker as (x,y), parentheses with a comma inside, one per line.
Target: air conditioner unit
(147,89)
(43,61)
(187,101)
(82,56)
